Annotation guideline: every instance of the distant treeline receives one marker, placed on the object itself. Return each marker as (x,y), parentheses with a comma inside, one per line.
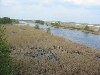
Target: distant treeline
(7,20)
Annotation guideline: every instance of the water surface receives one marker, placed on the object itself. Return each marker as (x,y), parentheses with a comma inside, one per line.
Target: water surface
(90,40)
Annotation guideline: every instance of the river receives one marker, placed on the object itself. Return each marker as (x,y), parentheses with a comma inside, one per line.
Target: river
(90,40)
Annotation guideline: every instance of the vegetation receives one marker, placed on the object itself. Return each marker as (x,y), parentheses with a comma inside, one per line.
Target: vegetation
(39,21)
(82,28)
(86,27)
(14,21)
(5,63)
(48,30)
(36,52)
(36,26)
(56,24)
(7,20)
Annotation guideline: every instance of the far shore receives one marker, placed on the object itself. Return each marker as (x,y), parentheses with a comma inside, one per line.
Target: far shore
(93,29)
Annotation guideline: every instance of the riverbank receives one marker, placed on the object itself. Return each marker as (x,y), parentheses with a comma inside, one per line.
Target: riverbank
(36,52)
(91,29)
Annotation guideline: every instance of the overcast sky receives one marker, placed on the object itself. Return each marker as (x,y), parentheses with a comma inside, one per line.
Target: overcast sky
(86,11)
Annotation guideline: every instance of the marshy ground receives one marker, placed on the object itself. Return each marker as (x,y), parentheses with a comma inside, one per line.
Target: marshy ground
(35,52)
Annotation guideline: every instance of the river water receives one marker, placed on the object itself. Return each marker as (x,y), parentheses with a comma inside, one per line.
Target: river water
(87,39)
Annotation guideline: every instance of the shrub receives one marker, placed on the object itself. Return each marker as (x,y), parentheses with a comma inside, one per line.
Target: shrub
(56,24)
(5,20)
(48,30)
(5,67)
(40,22)
(86,27)
(36,26)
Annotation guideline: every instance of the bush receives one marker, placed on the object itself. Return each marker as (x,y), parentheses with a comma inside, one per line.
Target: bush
(5,20)
(39,21)
(5,64)
(48,30)
(56,24)
(14,21)
(86,27)
(36,26)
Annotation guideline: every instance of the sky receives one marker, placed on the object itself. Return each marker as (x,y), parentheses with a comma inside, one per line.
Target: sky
(80,11)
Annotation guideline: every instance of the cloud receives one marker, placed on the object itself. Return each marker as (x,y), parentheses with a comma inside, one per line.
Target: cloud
(46,1)
(84,2)
(8,2)
(42,2)
(64,10)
